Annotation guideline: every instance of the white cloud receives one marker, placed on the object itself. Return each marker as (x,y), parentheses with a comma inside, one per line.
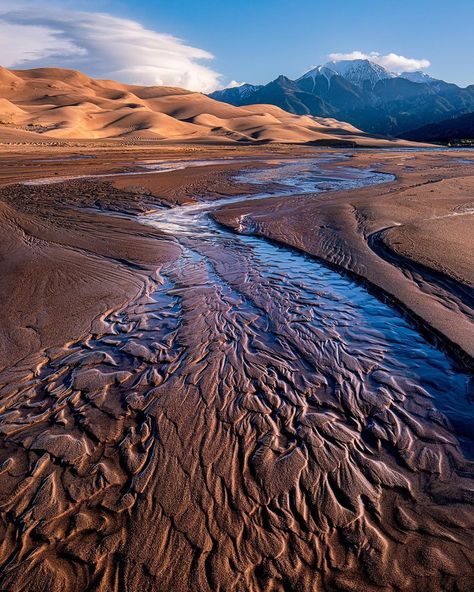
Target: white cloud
(234,84)
(101,45)
(22,43)
(391,61)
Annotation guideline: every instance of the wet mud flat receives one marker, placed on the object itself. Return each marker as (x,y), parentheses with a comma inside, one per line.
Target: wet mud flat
(410,240)
(252,420)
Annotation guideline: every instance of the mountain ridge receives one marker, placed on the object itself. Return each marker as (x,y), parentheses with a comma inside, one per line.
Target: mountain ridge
(458,129)
(364,94)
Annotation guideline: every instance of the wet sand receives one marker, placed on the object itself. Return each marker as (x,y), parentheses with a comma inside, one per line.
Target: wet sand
(412,239)
(207,410)
(64,262)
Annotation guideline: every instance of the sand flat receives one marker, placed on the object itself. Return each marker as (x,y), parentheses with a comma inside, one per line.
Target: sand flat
(202,409)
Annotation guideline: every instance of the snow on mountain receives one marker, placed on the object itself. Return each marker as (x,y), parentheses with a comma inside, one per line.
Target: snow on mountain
(363,93)
(316,73)
(358,72)
(246,89)
(419,77)
(319,71)
(239,90)
(236,95)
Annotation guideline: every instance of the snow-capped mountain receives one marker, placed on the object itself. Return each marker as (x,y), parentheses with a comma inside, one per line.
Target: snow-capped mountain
(419,77)
(325,71)
(244,90)
(236,95)
(362,93)
(360,72)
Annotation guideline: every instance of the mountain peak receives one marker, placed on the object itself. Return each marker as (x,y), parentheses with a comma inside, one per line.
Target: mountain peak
(318,71)
(364,94)
(358,72)
(419,76)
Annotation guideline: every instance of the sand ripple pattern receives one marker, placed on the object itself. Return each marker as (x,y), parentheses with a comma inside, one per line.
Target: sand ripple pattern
(255,421)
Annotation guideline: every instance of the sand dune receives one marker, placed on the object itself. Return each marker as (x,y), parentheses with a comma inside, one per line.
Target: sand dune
(66,104)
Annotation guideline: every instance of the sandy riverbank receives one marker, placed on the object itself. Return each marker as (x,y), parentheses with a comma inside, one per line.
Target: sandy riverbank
(423,220)
(63,264)
(411,238)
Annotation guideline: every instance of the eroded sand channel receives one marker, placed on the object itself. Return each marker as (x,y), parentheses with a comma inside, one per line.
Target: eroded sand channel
(255,421)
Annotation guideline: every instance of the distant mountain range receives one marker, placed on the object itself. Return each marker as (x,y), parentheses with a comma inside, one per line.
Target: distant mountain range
(362,93)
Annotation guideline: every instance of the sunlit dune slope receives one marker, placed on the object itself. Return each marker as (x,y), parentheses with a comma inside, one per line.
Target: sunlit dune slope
(54,103)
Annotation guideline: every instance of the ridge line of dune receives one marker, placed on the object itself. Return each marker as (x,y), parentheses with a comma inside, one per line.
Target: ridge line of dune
(55,103)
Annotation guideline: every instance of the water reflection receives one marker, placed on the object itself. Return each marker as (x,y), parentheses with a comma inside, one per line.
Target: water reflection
(321,304)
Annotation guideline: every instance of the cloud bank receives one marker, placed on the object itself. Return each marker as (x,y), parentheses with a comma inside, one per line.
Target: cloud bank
(103,46)
(391,61)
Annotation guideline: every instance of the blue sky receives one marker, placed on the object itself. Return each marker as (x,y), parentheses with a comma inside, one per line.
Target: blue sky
(260,39)
(251,41)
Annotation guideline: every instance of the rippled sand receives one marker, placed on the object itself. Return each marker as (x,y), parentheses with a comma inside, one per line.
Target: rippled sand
(253,420)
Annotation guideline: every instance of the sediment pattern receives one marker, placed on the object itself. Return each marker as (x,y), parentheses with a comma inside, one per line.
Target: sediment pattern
(255,421)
